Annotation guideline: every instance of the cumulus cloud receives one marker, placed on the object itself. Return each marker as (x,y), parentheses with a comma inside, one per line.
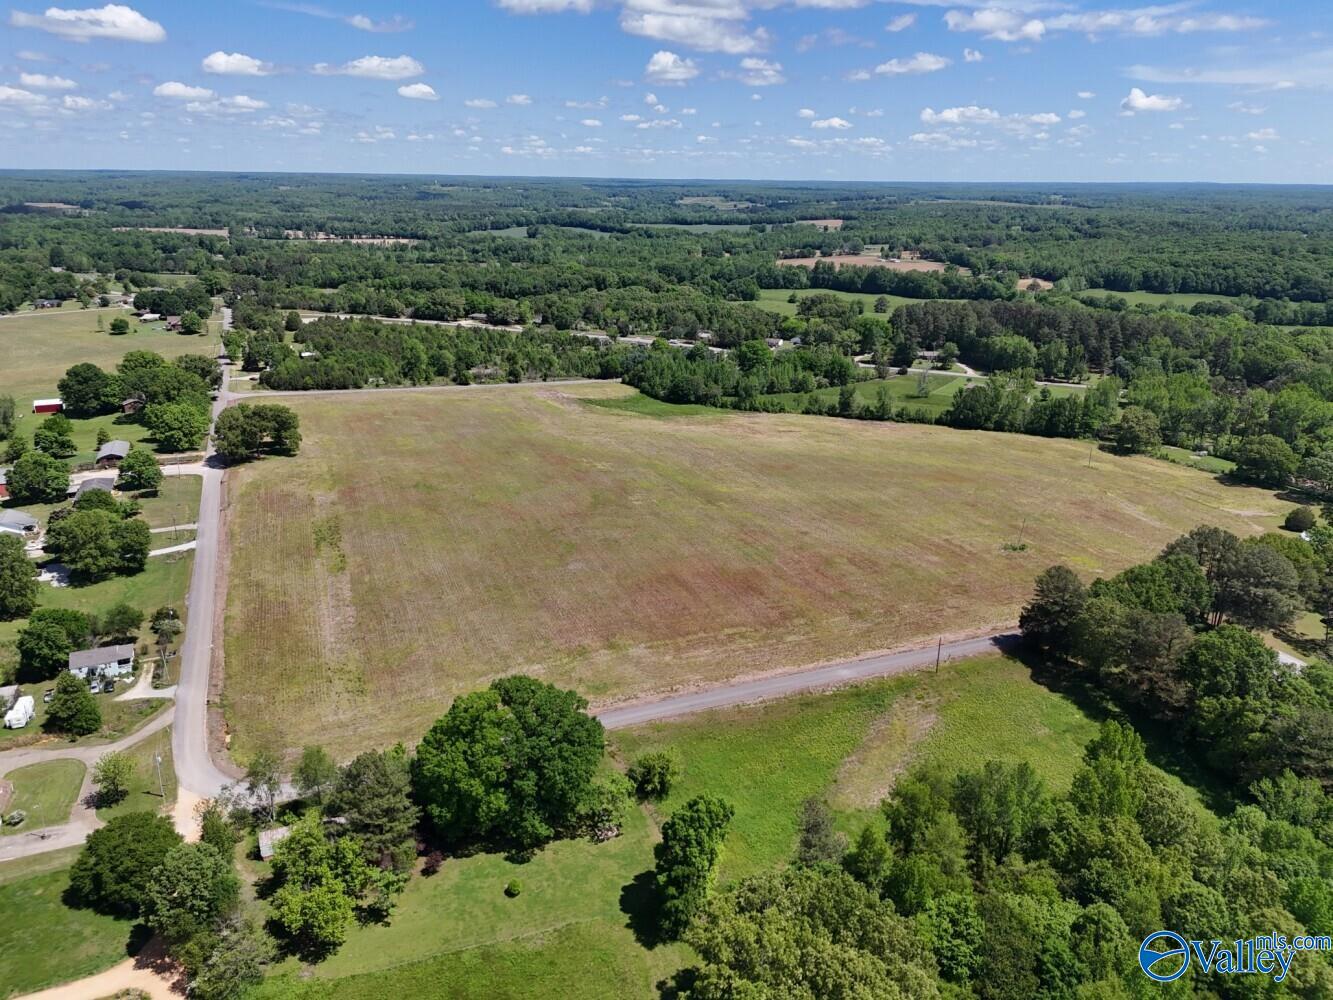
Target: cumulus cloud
(181,91)
(480,103)
(668,68)
(1137,101)
(522,100)
(418,92)
(756,72)
(19,97)
(831,123)
(901,23)
(1086,95)
(234,64)
(72,102)
(922,62)
(42,81)
(114,21)
(972,55)
(591,123)
(806,113)
(1262,135)
(238,105)
(375,68)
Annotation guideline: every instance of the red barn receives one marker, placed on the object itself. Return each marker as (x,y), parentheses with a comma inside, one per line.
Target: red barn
(47,406)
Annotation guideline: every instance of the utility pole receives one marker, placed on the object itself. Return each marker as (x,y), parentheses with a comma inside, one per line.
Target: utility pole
(161,786)
(939,650)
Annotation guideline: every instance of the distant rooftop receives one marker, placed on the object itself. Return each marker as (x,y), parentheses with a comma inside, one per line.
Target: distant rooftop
(113,449)
(100,656)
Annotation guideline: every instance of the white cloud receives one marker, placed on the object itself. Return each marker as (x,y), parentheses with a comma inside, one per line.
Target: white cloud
(20,97)
(28,55)
(238,105)
(1241,108)
(521,100)
(1086,95)
(418,92)
(41,81)
(375,68)
(480,103)
(806,113)
(922,62)
(972,55)
(72,102)
(943,140)
(234,64)
(803,143)
(668,68)
(1137,100)
(970,115)
(601,102)
(901,23)
(1015,23)
(114,21)
(1262,135)
(631,118)
(831,123)
(1076,113)
(756,72)
(709,26)
(182,91)
(393,24)
(591,123)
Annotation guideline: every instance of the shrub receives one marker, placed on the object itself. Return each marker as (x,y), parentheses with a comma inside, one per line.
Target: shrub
(653,774)
(1299,519)
(16,818)
(513,888)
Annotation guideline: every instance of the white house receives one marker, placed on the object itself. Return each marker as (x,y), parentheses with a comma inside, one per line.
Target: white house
(15,522)
(105,661)
(21,714)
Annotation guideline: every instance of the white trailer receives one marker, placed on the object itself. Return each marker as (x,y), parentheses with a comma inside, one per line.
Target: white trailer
(21,714)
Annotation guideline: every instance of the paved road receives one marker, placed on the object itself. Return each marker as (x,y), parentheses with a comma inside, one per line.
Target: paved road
(811,679)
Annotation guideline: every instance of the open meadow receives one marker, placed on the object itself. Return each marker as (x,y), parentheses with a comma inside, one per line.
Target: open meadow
(521,529)
(36,348)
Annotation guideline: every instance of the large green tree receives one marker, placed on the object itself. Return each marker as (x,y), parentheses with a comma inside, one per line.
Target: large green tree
(373,794)
(514,761)
(687,859)
(118,862)
(72,709)
(37,477)
(190,891)
(18,579)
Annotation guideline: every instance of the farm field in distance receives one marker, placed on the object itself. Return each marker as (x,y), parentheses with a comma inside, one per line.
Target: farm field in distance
(520,529)
(775,299)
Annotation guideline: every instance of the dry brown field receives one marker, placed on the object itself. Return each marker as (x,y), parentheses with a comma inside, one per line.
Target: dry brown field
(424,543)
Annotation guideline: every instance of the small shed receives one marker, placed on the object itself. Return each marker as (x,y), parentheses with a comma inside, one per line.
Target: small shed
(104,661)
(15,522)
(48,405)
(110,454)
(149,317)
(173,322)
(47,304)
(269,839)
(131,404)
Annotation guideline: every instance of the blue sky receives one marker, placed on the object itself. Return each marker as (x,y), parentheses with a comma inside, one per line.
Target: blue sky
(1212,90)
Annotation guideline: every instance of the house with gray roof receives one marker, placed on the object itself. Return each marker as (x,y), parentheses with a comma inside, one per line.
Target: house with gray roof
(111,453)
(104,661)
(15,522)
(107,483)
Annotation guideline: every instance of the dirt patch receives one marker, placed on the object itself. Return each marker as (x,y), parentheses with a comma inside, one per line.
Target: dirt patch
(867,260)
(821,223)
(866,777)
(1035,285)
(184,230)
(376,241)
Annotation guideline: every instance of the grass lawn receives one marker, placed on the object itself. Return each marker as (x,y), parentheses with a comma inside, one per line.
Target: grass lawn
(175,502)
(519,529)
(583,961)
(904,391)
(775,299)
(145,793)
(46,792)
(119,718)
(37,347)
(43,942)
(1179,300)
(1205,463)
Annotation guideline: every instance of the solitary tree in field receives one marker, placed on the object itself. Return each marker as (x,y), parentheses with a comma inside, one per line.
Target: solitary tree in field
(687,857)
(1138,430)
(112,775)
(1050,618)
(120,326)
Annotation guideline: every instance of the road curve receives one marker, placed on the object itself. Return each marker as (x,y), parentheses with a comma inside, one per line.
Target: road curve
(810,679)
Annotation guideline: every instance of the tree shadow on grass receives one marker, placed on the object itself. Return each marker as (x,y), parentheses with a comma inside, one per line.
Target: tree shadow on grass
(1163,740)
(641,905)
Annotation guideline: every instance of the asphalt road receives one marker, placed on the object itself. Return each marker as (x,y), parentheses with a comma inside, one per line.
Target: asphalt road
(811,679)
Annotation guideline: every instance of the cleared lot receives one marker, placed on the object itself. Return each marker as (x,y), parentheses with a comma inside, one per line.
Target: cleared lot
(422,544)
